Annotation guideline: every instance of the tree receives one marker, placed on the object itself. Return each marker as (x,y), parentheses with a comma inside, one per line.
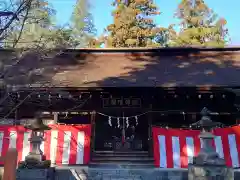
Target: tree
(34,27)
(15,10)
(82,25)
(133,25)
(200,26)
(31,34)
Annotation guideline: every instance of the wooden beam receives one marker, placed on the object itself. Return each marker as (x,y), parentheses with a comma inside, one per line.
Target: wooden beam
(93,123)
(150,139)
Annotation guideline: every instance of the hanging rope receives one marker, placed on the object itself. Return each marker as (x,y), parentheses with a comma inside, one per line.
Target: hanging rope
(118,122)
(136,120)
(127,122)
(138,115)
(110,121)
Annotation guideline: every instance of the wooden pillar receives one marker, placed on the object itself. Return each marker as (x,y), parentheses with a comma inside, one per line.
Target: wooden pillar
(93,118)
(10,164)
(194,117)
(237,121)
(150,143)
(17,121)
(55,117)
(237,116)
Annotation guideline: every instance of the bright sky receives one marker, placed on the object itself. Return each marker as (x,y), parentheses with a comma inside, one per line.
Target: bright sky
(229,9)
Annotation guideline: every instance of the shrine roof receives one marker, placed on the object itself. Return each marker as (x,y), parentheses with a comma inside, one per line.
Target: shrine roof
(167,67)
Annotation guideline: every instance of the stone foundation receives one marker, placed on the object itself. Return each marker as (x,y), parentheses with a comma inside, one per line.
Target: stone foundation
(127,174)
(210,172)
(39,174)
(85,173)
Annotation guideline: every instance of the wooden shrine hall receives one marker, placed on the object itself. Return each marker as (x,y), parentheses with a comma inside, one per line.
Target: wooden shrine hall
(121,94)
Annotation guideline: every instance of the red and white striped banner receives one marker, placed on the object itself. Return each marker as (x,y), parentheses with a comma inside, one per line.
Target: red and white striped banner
(175,148)
(63,144)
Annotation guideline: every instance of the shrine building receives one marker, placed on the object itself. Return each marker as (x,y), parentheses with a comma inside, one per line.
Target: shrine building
(121,94)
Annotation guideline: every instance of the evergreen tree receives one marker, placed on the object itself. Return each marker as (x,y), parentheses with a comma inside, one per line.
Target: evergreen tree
(82,25)
(33,28)
(200,26)
(133,25)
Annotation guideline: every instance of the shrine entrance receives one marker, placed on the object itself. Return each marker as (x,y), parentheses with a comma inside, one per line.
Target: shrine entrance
(121,133)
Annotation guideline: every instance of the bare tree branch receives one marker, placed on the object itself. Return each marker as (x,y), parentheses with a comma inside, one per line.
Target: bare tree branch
(38,48)
(23,6)
(22,25)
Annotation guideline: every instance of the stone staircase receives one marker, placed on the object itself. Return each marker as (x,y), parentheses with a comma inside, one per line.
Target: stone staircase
(122,159)
(131,174)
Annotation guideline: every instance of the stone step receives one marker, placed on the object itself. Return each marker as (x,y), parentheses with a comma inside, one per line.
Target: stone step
(121,152)
(121,165)
(122,158)
(118,177)
(128,173)
(121,155)
(88,173)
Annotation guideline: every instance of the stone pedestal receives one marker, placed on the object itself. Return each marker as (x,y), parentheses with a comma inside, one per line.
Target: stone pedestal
(206,172)
(39,174)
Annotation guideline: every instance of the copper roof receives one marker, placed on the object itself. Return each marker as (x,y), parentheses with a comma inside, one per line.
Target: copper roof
(129,68)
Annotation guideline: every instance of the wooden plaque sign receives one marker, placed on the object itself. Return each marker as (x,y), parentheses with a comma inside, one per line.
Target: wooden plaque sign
(122,102)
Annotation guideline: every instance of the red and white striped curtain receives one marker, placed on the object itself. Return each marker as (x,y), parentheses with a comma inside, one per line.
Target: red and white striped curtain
(63,144)
(175,148)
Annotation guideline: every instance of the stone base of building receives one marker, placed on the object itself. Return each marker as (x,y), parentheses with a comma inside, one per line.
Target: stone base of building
(125,173)
(206,172)
(31,174)
(86,173)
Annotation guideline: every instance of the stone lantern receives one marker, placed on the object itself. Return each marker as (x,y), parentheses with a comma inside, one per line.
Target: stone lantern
(35,165)
(207,164)
(36,139)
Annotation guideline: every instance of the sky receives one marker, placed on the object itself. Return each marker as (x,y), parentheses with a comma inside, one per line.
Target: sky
(101,10)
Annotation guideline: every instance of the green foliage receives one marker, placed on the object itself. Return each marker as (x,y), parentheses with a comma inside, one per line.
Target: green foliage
(133,25)
(33,28)
(95,43)
(36,28)
(200,26)
(60,38)
(82,26)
